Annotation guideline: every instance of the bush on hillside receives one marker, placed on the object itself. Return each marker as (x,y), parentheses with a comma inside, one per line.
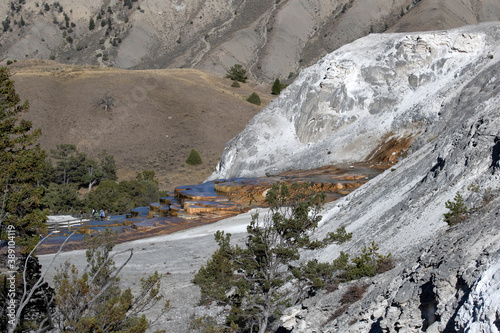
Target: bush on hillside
(368,263)
(457,210)
(235,84)
(353,294)
(194,158)
(254,99)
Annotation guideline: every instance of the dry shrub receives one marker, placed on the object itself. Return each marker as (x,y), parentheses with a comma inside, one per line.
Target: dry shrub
(336,314)
(331,287)
(384,264)
(353,294)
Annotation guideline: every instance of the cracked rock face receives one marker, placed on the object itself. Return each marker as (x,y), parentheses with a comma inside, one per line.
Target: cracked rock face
(444,88)
(446,284)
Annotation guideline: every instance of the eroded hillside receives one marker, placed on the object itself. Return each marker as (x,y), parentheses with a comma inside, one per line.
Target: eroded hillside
(270,38)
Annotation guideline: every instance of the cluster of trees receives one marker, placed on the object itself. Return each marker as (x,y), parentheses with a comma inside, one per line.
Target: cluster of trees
(74,170)
(77,168)
(239,74)
(92,301)
(87,301)
(66,179)
(15,8)
(124,195)
(105,16)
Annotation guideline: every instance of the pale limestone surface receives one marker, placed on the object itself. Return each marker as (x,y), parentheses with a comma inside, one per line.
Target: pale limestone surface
(441,86)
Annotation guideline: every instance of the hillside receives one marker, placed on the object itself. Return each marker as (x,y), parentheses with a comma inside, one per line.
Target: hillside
(270,38)
(441,90)
(157,118)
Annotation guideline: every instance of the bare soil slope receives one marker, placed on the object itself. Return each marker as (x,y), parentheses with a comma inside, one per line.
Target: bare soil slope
(158,116)
(428,15)
(270,38)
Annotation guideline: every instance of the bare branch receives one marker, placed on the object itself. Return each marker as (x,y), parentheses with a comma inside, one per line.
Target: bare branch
(41,328)
(112,279)
(106,102)
(27,296)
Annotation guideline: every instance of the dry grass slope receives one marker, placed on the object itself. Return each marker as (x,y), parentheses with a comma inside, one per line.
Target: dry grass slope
(158,117)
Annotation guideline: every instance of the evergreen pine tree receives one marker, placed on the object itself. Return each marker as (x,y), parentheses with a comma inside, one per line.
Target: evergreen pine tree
(91,24)
(277,87)
(237,73)
(249,279)
(194,158)
(21,166)
(21,219)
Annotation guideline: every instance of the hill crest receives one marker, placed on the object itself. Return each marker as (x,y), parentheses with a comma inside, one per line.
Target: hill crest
(272,39)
